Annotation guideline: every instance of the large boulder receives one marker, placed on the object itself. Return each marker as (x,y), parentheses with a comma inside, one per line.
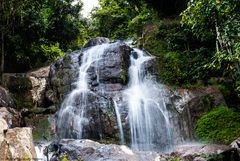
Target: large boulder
(106,78)
(97,41)
(87,150)
(17,145)
(7,109)
(186,106)
(27,89)
(11,116)
(100,121)
(112,72)
(39,81)
(203,152)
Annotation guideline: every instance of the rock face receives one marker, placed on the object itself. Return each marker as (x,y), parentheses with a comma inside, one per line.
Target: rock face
(236,144)
(186,106)
(17,144)
(104,83)
(5,99)
(11,116)
(7,111)
(87,150)
(206,152)
(107,79)
(39,80)
(112,67)
(97,41)
(27,89)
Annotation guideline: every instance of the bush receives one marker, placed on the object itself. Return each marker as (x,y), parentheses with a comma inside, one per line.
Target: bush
(220,125)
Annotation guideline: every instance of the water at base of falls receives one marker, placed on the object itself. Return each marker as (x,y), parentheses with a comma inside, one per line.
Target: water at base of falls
(40,150)
(147,114)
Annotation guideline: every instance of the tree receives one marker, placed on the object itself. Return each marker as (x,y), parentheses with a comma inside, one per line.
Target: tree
(167,8)
(30,27)
(222,19)
(120,19)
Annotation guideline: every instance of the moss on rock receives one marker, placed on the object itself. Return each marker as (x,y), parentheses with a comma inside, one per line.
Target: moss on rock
(220,125)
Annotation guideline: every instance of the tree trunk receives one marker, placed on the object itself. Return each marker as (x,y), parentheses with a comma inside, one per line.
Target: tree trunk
(2,41)
(2,56)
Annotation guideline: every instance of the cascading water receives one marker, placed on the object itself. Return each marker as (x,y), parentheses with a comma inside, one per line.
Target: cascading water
(119,121)
(72,112)
(148,116)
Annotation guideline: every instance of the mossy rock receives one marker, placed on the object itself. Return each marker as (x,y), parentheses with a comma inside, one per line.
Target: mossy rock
(20,87)
(221,125)
(41,128)
(19,84)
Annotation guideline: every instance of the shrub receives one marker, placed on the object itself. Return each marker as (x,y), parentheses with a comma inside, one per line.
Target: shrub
(220,125)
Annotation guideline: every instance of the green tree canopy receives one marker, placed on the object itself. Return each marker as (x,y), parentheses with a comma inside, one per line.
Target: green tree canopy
(120,19)
(28,25)
(222,19)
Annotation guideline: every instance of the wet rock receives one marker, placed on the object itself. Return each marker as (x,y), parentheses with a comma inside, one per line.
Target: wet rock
(20,88)
(11,116)
(51,96)
(236,144)
(199,152)
(112,70)
(230,155)
(3,126)
(107,79)
(186,106)
(28,89)
(5,99)
(105,82)
(99,119)
(63,73)
(97,41)
(87,150)
(17,145)
(39,81)
(113,67)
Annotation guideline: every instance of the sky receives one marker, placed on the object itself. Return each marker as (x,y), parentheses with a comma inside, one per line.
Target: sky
(87,6)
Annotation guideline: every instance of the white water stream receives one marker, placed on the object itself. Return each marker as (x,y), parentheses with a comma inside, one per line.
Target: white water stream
(147,114)
(72,109)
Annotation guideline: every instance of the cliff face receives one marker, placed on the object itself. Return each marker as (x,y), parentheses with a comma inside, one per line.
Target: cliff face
(107,80)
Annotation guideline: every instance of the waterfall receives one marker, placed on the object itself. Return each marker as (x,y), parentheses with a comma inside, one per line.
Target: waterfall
(145,115)
(148,116)
(40,148)
(72,113)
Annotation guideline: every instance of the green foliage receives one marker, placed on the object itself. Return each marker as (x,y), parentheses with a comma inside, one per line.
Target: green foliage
(220,125)
(180,55)
(37,31)
(213,157)
(222,19)
(52,52)
(120,19)
(41,130)
(166,7)
(226,90)
(65,157)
